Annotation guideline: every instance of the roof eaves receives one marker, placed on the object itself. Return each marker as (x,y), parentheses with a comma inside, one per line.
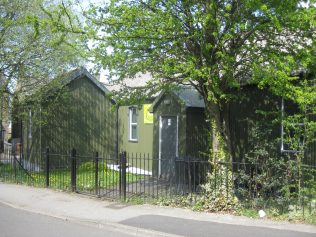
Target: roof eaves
(156,101)
(81,71)
(190,97)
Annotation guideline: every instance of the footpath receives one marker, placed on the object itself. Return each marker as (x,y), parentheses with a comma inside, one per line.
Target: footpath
(143,220)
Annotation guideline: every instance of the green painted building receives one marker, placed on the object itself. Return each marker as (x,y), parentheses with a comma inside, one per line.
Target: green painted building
(79,114)
(135,136)
(135,129)
(179,128)
(173,125)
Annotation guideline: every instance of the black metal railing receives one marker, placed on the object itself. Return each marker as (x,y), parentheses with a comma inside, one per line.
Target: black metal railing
(254,183)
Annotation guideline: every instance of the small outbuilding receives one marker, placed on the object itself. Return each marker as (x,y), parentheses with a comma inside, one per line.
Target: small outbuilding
(180,128)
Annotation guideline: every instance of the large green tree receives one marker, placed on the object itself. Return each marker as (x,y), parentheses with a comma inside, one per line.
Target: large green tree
(34,47)
(212,45)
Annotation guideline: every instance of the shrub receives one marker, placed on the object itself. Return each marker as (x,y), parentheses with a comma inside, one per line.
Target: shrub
(218,192)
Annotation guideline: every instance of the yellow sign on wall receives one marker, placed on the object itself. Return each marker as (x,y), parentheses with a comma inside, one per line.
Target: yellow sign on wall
(148,117)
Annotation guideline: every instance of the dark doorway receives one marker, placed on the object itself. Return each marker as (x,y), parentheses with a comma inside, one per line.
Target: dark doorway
(168,145)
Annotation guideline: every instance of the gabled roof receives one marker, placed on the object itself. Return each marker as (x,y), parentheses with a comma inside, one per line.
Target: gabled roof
(190,97)
(81,71)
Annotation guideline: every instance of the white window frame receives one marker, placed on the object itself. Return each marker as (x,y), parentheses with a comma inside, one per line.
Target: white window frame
(132,124)
(283,133)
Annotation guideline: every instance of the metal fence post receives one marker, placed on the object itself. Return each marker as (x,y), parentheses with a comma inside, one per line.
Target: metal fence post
(189,175)
(123,175)
(47,167)
(97,173)
(120,174)
(73,170)
(14,164)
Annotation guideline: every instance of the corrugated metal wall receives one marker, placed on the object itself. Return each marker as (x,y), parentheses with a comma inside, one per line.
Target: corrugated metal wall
(84,119)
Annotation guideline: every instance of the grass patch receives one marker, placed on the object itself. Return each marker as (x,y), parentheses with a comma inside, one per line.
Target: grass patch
(61,178)
(251,213)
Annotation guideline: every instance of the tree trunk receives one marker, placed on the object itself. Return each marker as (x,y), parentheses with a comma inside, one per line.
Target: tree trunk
(219,126)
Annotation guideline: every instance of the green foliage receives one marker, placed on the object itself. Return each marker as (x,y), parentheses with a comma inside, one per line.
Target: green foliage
(252,213)
(280,184)
(217,194)
(295,214)
(175,201)
(87,166)
(188,38)
(30,56)
(136,199)
(214,46)
(298,215)
(269,180)
(218,191)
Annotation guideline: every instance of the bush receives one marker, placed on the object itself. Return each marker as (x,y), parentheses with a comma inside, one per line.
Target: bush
(218,192)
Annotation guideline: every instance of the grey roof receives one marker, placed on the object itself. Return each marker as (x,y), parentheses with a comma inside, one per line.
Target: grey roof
(191,97)
(81,71)
(139,80)
(188,95)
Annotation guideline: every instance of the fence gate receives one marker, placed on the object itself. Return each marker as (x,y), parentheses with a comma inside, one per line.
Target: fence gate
(13,168)
(99,176)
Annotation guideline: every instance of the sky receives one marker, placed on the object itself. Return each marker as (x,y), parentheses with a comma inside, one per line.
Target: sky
(84,4)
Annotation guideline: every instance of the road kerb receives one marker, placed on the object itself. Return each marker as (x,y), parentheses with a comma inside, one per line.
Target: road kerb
(115,227)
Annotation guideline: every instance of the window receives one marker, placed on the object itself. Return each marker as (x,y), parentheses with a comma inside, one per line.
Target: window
(292,132)
(132,124)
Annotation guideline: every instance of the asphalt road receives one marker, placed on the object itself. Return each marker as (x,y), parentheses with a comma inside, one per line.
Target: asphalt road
(19,223)
(194,228)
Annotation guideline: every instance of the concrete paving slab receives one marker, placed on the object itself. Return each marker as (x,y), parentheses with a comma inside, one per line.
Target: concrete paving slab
(89,209)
